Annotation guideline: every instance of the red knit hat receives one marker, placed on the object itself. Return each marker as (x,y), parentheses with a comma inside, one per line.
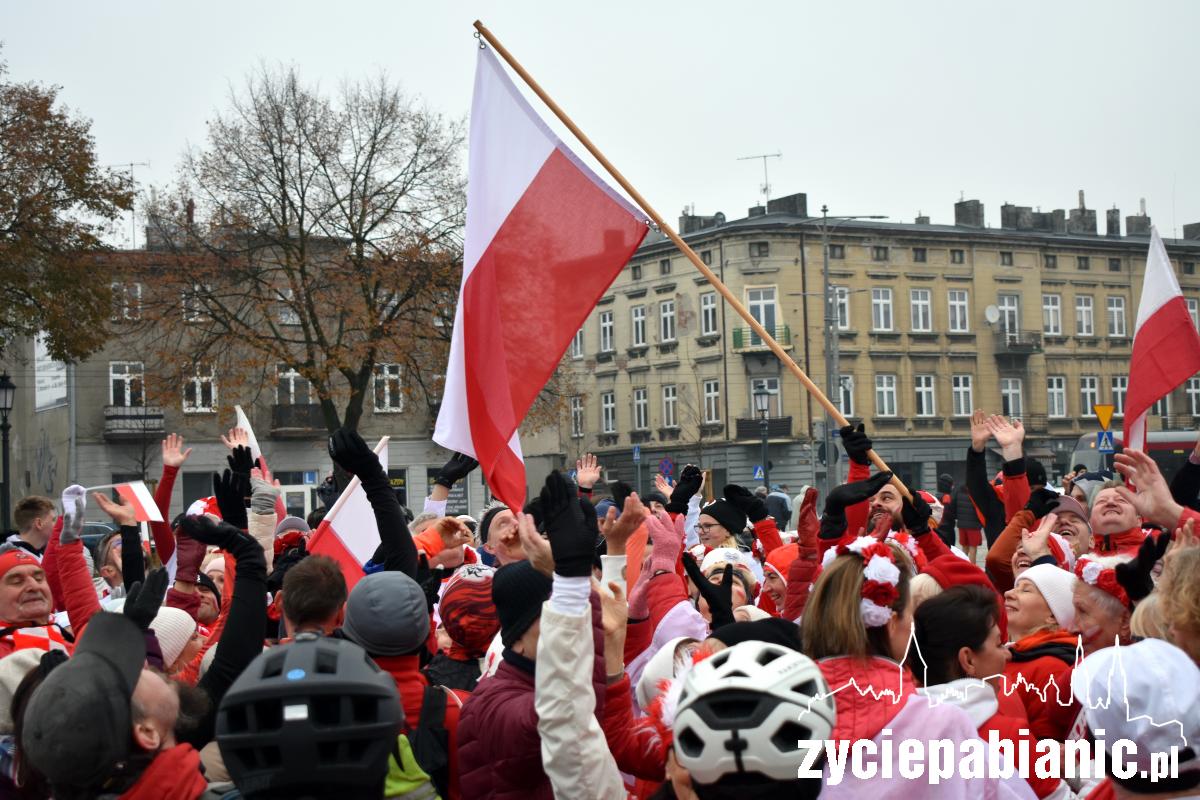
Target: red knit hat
(467,611)
(15,557)
(781,559)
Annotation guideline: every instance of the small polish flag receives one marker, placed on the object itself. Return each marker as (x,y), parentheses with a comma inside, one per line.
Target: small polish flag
(1166,345)
(349,534)
(137,495)
(243,422)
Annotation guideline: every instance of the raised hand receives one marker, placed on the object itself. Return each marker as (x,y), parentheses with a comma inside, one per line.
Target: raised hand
(572,541)
(72,527)
(1153,500)
(856,443)
(121,513)
(744,500)
(1184,538)
(1008,434)
(264,490)
(458,467)
(662,484)
(689,483)
(145,598)
(1036,541)
(453,532)
(536,548)
(980,432)
(237,437)
(231,490)
(240,460)
(206,531)
(916,513)
(854,492)
(718,596)
(617,530)
(351,453)
(587,471)
(1135,575)
(173,454)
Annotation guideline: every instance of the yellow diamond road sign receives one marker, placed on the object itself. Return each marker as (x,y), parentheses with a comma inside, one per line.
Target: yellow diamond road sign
(1103,412)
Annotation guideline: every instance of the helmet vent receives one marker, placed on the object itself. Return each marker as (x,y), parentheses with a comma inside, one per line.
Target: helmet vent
(327,662)
(273,665)
(687,741)
(787,739)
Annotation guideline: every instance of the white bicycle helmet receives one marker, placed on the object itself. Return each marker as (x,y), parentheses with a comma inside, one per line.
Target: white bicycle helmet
(745,709)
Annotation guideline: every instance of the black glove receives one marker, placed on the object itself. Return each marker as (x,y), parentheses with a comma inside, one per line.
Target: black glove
(239,460)
(1134,575)
(856,442)
(144,599)
(916,513)
(221,534)
(719,596)
(685,489)
(285,561)
(571,542)
(231,490)
(458,467)
(620,491)
(833,518)
(1040,500)
(351,453)
(430,581)
(750,504)
(591,520)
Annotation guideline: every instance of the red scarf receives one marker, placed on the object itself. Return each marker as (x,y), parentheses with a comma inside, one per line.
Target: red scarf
(173,775)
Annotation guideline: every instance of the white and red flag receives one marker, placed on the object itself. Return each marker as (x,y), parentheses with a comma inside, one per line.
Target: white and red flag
(545,237)
(137,495)
(1166,345)
(349,534)
(243,422)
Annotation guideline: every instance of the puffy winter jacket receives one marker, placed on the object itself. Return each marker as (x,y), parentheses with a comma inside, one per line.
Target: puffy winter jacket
(1040,675)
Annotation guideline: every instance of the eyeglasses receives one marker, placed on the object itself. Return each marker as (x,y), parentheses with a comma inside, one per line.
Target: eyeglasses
(708,526)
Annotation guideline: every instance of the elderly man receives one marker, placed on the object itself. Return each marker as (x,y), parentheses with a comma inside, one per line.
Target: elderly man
(25,604)
(1116,527)
(1073,524)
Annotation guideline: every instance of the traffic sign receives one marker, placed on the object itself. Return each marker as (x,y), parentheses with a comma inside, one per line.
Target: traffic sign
(1104,442)
(1104,413)
(637,453)
(758,472)
(667,466)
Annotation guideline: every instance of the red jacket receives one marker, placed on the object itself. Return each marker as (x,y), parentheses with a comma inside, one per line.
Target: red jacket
(636,744)
(864,711)
(1123,543)
(499,749)
(1040,675)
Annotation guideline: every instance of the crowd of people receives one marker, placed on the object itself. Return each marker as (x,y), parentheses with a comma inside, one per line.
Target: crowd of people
(600,644)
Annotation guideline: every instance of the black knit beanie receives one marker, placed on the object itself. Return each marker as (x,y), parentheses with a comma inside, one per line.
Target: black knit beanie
(726,513)
(518,591)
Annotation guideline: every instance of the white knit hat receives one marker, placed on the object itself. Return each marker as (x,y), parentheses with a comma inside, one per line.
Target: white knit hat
(659,669)
(1056,586)
(215,565)
(174,628)
(13,669)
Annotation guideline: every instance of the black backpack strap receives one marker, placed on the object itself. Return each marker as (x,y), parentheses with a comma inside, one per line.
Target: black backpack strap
(430,740)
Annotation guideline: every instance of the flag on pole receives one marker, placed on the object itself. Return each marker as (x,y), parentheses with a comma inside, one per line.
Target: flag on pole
(243,422)
(137,495)
(1166,345)
(545,237)
(348,534)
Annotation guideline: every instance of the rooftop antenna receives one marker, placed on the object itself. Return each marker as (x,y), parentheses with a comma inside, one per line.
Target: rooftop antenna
(132,212)
(766,184)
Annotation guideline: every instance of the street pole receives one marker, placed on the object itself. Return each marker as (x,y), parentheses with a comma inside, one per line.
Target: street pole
(4,429)
(765,425)
(833,386)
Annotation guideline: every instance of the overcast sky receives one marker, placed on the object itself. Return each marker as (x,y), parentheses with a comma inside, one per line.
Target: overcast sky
(877,107)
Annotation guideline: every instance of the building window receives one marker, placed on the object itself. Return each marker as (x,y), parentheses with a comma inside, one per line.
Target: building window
(761,302)
(670,398)
(841,299)
(1052,314)
(1056,396)
(837,251)
(774,408)
(1116,316)
(127,301)
(1089,395)
(959,316)
(760,249)
(1162,408)
(664,266)
(606,331)
(879,253)
(290,388)
(1193,307)
(885,395)
(637,316)
(287,311)
(1114,265)
(1006,259)
(1084,321)
(958,256)
(960,392)
(1010,312)
(193,303)
(641,410)
(1010,397)
(576,417)
(1083,262)
(712,401)
(706,257)
(1189,267)
(388,395)
(1193,396)
(577,344)
(881,309)
(666,321)
(200,391)
(608,412)
(926,402)
(635,272)
(846,396)
(125,382)
(919,255)
(1120,385)
(922,310)
(1050,260)
(708,314)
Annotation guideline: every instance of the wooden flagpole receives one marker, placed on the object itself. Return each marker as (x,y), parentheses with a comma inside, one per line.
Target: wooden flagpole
(670,233)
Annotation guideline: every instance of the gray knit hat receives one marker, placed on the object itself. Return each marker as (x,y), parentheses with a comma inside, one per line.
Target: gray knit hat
(386,614)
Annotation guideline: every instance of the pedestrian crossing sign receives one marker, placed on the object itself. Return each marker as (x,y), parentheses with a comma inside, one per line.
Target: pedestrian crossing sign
(758,472)
(1104,442)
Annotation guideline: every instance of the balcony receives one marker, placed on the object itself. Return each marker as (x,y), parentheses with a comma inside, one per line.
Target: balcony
(1018,343)
(297,421)
(132,422)
(777,428)
(746,340)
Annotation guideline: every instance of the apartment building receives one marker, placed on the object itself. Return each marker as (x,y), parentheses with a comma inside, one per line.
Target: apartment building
(1033,319)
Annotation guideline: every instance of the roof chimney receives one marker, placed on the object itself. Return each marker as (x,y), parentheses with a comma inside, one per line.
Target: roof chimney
(1112,222)
(968,213)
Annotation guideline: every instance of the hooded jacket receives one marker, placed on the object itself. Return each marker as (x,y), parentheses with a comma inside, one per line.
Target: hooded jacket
(1040,675)
(883,689)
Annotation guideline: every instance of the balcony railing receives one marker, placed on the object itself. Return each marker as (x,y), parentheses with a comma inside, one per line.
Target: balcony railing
(777,428)
(131,422)
(1018,343)
(746,339)
(296,420)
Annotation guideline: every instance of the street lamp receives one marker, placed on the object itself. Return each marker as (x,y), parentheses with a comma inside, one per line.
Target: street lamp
(762,404)
(8,393)
(833,378)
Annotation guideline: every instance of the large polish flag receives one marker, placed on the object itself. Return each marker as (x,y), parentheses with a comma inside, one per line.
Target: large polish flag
(1166,345)
(545,238)
(349,534)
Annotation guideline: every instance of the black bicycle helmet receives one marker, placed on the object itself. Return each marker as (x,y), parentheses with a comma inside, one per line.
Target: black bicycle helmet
(311,719)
